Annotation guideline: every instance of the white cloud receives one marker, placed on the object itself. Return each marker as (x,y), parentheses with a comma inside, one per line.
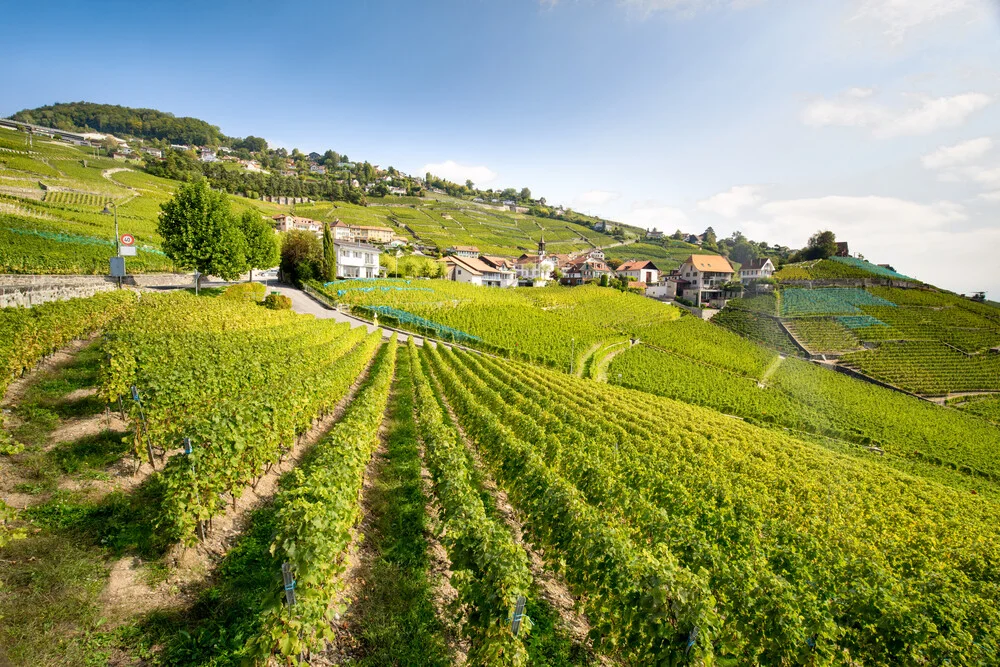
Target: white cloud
(596,198)
(860,93)
(459,173)
(895,20)
(729,204)
(991,196)
(924,116)
(650,214)
(918,239)
(950,156)
(989,176)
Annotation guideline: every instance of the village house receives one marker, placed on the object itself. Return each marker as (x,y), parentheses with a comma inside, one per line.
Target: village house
(756,269)
(208,155)
(535,269)
(842,249)
(584,270)
(641,271)
(340,231)
(468,251)
(155,152)
(286,223)
(476,271)
(357,260)
(704,276)
(654,234)
(317,169)
(397,191)
(368,234)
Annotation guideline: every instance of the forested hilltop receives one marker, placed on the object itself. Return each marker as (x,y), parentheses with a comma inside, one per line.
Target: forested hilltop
(145,123)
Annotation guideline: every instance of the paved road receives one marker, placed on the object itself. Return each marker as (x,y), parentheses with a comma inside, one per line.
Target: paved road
(303,303)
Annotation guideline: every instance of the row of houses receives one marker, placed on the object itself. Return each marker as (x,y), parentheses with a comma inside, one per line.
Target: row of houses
(285,222)
(701,279)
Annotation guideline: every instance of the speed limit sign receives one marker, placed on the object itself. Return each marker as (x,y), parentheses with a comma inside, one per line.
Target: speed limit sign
(128,239)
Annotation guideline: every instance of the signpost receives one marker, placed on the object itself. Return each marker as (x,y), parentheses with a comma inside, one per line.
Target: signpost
(126,245)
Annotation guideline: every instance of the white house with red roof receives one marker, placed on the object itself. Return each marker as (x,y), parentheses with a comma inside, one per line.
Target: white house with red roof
(639,270)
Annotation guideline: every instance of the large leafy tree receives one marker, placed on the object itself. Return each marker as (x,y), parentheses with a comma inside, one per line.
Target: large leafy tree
(301,256)
(329,254)
(200,233)
(262,250)
(821,245)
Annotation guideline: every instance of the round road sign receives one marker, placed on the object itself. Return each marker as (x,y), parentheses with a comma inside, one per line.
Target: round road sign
(128,239)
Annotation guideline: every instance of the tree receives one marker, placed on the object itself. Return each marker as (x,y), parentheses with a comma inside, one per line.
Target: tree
(525,194)
(199,232)
(469,184)
(330,158)
(821,245)
(391,264)
(261,244)
(329,254)
(743,252)
(301,256)
(678,235)
(252,144)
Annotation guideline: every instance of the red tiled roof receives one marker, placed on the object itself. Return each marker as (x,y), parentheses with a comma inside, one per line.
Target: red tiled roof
(637,264)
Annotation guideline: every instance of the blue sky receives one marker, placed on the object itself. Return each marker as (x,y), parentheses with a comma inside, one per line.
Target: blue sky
(879,119)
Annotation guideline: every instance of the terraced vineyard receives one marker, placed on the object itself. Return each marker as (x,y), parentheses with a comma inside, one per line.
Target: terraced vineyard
(822,335)
(76,198)
(759,328)
(923,341)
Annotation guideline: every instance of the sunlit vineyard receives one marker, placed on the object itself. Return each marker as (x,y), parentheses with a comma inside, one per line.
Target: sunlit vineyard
(271,373)
(76,198)
(823,335)
(772,548)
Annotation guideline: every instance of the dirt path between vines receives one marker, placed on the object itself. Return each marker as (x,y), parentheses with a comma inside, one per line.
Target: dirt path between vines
(357,561)
(553,588)
(439,569)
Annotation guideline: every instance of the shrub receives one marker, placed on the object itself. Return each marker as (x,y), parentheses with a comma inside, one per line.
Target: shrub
(245,292)
(278,302)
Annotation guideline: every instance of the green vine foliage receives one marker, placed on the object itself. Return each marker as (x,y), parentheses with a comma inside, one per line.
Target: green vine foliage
(491,570)
(315,514)
(242,382)
(694,537)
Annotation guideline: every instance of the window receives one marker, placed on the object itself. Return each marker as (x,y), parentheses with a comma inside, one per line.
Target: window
(357,254)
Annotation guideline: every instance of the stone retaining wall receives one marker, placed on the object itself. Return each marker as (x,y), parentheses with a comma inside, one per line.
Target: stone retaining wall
(30,290)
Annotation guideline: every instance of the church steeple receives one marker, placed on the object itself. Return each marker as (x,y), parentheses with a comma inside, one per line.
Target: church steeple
(541,246)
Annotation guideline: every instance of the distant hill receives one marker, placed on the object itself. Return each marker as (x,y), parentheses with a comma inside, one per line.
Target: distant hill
(114,119)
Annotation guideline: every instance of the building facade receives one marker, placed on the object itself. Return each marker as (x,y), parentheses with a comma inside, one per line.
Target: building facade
(357,260)
(705,276)
(641,271)
(756,269)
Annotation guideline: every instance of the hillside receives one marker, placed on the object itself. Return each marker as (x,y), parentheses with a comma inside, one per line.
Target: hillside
(52,196)
(119,120)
